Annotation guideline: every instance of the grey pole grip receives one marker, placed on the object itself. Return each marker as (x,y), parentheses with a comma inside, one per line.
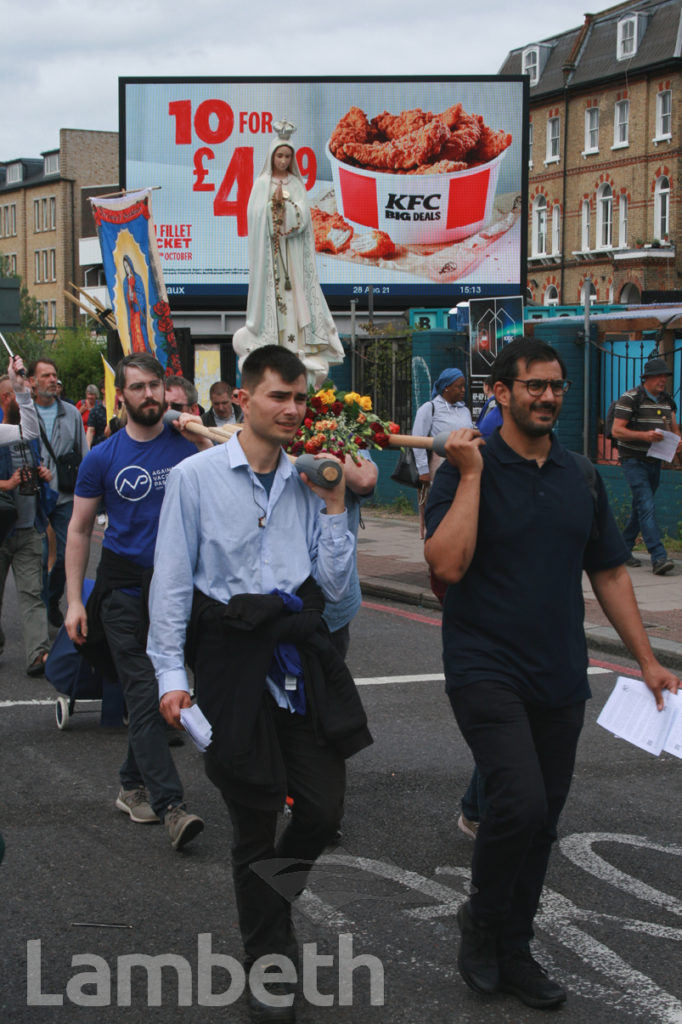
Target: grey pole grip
(439,443)
(322,472)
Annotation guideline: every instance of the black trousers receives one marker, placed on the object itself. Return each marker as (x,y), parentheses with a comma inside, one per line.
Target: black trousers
(526,755)
(268,873)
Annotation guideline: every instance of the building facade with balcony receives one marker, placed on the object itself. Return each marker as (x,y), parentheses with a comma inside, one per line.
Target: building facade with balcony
(605,138)
(43,215)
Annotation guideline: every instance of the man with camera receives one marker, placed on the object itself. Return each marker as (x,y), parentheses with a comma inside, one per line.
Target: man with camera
(63,448)
(24,513)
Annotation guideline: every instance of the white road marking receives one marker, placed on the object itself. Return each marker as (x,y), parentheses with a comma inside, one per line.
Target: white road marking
(386,680)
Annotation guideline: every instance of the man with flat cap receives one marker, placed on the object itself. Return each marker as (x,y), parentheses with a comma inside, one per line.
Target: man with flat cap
(639,417)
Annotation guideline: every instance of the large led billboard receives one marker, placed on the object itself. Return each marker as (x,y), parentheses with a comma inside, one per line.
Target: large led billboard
(416,186)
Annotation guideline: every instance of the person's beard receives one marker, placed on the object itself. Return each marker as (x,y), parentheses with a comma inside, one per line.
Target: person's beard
(147,415)
(13,413)
(521,416)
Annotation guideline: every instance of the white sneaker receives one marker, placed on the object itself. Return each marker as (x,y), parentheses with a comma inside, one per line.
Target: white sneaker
(135,802)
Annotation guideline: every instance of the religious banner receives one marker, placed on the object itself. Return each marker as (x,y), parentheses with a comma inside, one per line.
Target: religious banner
(135,278)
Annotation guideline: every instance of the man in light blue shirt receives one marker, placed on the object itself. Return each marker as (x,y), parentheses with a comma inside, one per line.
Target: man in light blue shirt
(238,523)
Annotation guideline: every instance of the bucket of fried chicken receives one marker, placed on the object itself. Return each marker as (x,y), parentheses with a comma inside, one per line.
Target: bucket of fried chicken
(422,178)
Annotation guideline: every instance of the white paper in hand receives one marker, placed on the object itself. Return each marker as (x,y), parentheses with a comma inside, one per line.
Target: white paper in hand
(197,726)
(631,713)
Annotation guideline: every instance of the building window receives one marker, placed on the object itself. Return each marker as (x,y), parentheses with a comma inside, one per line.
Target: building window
(664,115)
(585,226)
(36,215)
(592,130)
(46,266)
(605,216)
(553,127)
(53,264)
(37,267)
(539,241)
(551,296)
(53,212)
(530,145)
(662,208)
(623,222)
(556,214)
(627,38)
(15,173)
(621,120)
(530,63)
(51,163)
(53,314)
(587,289)
(13,219)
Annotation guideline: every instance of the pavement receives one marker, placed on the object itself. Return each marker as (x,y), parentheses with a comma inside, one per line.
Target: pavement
(391,566)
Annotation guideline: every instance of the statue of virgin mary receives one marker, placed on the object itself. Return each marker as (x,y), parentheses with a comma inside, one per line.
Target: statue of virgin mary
(285,304)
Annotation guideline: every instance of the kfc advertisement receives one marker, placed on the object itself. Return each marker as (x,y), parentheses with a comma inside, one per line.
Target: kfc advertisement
(414,186)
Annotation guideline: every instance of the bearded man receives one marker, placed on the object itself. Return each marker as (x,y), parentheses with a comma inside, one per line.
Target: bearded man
(127,473)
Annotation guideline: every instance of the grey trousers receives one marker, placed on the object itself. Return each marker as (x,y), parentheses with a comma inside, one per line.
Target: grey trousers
(23,552)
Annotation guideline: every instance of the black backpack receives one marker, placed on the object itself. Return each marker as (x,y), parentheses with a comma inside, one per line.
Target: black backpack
(611,412)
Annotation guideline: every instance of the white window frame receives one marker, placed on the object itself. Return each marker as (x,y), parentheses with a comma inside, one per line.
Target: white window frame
(627,38)
(556,230)
(37,266)
(591,130)
(53,264)
(551,296)
(553,149)
(621,124)
(530,64)
(46,266)
(53,212)
(13,264)
(623,222)
(539,226)
(662,208)
(51,163)
(604,216)
(585,219)
(53,313)
(664,117)
(15,174)
(36,215)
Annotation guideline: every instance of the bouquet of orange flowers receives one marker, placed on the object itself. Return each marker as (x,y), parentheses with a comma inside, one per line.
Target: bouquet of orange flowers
(341,423)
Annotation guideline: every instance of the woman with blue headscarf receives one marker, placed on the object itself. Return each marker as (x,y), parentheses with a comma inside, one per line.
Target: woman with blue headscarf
(445,411)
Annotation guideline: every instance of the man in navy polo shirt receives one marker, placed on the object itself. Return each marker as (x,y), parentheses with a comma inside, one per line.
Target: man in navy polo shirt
(511,524)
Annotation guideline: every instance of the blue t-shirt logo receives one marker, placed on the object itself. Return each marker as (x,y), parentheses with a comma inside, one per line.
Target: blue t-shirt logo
(133,483)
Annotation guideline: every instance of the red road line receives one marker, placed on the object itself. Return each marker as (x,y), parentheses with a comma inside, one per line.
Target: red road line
(621,669)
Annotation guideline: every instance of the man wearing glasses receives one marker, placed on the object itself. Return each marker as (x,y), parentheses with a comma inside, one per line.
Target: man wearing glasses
(511,524)
(128,473)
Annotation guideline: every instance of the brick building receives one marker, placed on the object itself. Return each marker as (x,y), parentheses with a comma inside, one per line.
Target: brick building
(605,156)
(44,212)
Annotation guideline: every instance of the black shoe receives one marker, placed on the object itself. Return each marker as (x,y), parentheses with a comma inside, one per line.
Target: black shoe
(477,954)
(633,562)
(37,666)
(263,1013)
(524,978)
(54,615)
(663,566)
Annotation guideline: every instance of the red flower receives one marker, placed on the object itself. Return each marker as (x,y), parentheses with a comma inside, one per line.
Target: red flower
(165,324)
(307,423)
(337,408)
(393,428)
(376,427)
(312,446)
(317,403)
(381,439)
(162,309)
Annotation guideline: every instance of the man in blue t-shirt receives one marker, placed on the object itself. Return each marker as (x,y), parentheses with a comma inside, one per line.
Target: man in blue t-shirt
(512,522)
(127,473)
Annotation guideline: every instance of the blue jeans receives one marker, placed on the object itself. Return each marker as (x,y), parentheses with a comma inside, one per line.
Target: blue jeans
(643,479)
(53,585)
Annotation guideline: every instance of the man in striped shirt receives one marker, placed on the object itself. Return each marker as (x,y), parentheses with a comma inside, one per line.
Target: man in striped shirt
(640,416)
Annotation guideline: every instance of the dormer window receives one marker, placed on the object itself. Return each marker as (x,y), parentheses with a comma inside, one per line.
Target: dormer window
(630,32)
(15,173)
(51,163)
(531,64)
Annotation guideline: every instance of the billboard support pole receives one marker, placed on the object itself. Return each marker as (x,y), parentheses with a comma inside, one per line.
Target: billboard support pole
(586,369)
(353,304)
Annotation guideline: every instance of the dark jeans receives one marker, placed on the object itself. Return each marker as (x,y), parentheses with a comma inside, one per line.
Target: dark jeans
(643,479)
(526,754)
(473,801)
(268,875)
(148,762)
(53,584)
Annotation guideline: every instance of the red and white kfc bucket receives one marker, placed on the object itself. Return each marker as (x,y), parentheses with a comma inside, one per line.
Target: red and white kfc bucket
(417,209)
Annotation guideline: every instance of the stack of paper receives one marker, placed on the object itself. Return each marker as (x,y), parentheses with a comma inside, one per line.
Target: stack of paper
(631,714)
(197,726)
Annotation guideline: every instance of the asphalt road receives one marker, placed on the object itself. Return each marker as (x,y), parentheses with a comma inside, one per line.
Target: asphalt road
(83,888)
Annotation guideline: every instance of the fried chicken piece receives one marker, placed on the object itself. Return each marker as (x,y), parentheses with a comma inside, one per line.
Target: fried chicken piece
(464,135)
(353,127)
(373,244)
(451,116)
(441,167)
(393,126)
(332,233)
(411,150)
(490,145)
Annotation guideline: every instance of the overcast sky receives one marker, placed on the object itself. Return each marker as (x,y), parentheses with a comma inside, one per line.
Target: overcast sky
(60,60)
